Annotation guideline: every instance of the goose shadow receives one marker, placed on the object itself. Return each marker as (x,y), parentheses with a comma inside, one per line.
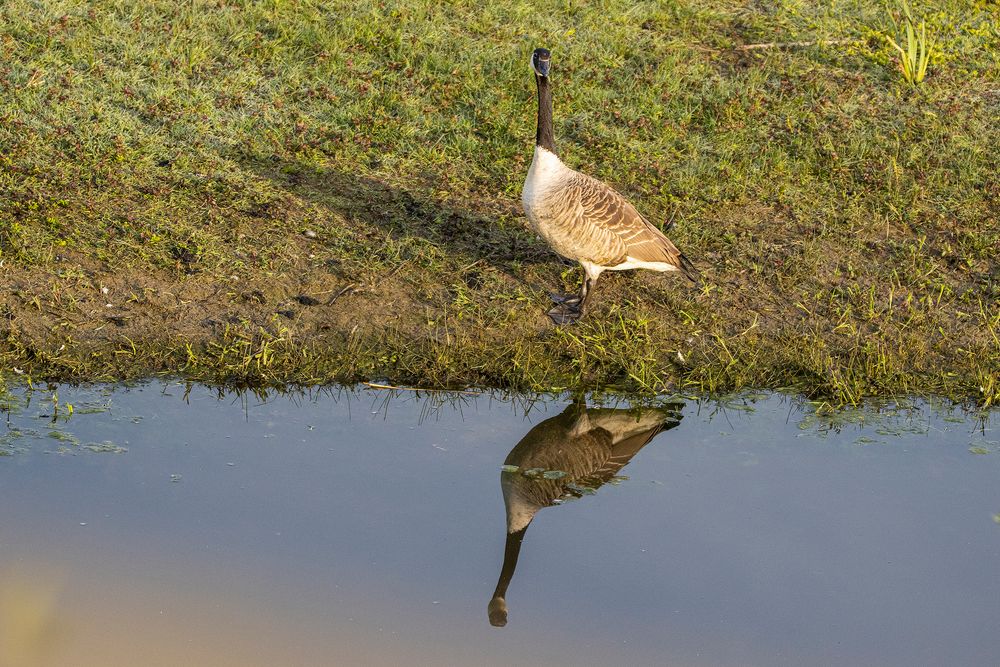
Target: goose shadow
(496,238)
(564,457)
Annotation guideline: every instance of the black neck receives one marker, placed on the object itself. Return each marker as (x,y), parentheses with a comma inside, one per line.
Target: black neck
(512,549)
(543,136)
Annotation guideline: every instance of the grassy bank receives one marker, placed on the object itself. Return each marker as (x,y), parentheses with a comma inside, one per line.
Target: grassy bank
(304,191)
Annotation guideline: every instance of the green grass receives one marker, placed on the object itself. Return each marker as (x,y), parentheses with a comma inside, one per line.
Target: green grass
(176,153)
(913,59)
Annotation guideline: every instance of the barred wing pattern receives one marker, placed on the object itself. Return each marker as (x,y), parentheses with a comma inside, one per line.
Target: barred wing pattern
(613,230)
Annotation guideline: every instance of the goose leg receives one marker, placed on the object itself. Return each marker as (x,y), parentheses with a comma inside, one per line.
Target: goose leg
(585,291)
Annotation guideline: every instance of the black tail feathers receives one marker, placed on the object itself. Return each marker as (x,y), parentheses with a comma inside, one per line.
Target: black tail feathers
(689,271)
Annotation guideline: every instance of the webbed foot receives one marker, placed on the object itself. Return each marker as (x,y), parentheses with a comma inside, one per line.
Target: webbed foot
(566,313)
(567,299)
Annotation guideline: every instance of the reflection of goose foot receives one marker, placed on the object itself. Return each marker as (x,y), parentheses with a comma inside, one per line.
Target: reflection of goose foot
(498,612)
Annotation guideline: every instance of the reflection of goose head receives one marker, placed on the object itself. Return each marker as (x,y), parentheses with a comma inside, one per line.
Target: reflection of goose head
(498,611)
(566,456)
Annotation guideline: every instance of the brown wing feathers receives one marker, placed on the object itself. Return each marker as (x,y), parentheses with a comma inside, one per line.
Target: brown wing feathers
(629,235)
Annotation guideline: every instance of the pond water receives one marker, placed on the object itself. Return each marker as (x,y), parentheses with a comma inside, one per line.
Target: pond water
(164,525)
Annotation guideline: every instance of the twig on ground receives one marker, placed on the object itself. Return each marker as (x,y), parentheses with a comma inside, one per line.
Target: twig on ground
(352,288)
(787,45)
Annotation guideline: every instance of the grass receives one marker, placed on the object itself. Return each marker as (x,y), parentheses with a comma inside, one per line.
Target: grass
(307,192)
(913,60)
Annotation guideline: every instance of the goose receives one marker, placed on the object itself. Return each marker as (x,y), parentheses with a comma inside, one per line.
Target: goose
(588,446)
(582,218)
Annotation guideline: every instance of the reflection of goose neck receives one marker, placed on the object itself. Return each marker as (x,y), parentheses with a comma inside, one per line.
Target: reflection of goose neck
(579,447)
(498,605)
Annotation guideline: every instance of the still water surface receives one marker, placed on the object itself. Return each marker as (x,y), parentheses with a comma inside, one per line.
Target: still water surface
(159,526)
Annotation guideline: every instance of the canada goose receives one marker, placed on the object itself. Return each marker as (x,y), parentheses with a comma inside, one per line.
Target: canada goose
(582,218)
(562,457)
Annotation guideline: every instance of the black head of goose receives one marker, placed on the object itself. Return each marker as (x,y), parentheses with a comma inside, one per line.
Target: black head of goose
(564,457)
(582,218)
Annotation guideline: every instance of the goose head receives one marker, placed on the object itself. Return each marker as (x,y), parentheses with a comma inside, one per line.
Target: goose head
(540,60)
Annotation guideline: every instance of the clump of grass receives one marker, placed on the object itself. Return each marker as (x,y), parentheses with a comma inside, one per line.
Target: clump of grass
(913,59)
(618,349)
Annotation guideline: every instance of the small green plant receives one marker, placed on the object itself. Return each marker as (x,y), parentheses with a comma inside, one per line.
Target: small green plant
(915,57)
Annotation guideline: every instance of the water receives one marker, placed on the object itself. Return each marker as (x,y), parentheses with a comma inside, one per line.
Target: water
(156,528)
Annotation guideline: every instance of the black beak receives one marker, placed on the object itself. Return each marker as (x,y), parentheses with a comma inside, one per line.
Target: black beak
(543,67)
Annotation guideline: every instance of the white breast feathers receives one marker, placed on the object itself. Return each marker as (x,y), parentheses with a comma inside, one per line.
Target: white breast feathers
(545,173)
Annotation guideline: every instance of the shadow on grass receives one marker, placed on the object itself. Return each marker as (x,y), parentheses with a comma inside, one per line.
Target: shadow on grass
(465,235)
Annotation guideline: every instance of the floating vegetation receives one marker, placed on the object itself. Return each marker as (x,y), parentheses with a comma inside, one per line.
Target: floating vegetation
(95,408)
(104,447)
(535,473)
(983,447)
(886,418)
(26,402)
(63,436)
(26,405)
(13,441)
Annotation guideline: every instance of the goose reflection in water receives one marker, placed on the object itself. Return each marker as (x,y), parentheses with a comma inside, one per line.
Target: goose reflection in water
(564,457)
